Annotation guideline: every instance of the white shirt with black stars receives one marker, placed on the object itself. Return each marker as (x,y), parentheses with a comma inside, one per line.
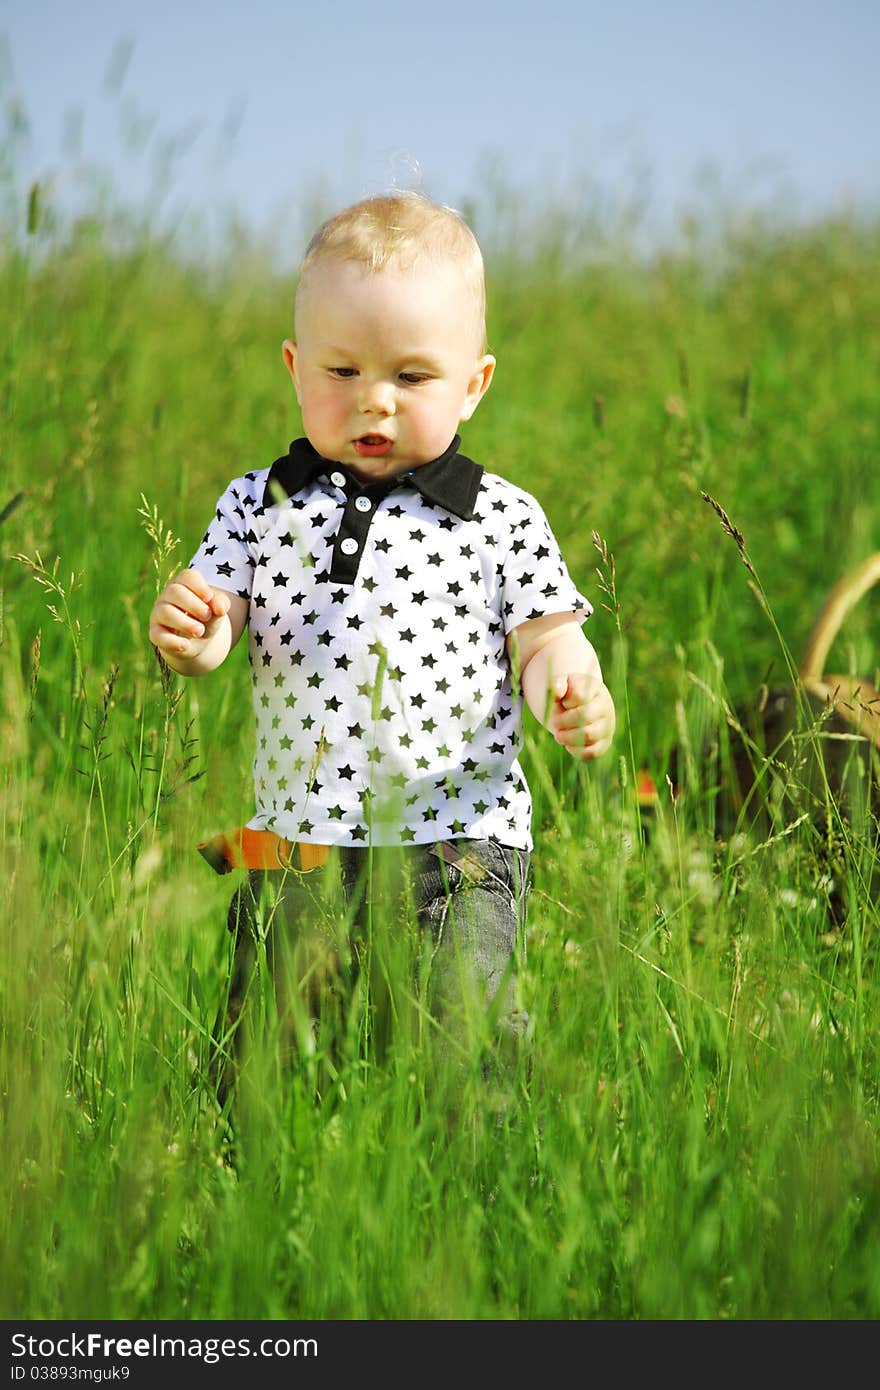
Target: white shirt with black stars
(385,709)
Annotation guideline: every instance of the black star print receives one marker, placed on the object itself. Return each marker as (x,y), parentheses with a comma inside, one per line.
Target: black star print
(396,749)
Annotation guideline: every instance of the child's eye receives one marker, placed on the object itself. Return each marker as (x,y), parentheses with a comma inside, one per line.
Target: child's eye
(413,378)
(342,373)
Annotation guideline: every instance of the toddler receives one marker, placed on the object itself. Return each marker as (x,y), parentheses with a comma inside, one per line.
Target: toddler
(399,601)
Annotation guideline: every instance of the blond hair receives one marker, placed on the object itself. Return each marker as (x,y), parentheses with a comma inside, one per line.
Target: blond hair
(401,230)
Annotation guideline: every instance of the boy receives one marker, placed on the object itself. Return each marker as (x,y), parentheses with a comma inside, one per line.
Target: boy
(398,598)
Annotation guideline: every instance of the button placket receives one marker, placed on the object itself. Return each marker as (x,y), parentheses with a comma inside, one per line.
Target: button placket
(354,524)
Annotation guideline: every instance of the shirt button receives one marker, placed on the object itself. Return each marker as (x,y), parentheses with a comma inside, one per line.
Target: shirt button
(363,504)
(349,545)
(337,479)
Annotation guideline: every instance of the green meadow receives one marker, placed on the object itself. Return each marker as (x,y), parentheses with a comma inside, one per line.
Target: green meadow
(692,1130)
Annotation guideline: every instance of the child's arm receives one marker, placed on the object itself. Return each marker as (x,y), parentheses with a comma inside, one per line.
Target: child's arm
(562,683)
(194,625)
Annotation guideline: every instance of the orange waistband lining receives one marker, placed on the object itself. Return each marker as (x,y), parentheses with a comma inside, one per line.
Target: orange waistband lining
(261,849)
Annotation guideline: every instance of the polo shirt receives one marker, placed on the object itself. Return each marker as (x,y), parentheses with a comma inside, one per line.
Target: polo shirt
(384,701)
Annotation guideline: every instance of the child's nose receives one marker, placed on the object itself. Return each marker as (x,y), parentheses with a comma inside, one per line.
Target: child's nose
(377,398)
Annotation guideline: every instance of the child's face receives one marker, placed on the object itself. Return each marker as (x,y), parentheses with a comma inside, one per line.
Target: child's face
(386,363)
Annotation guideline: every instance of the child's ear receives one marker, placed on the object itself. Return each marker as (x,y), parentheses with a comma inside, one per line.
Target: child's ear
(478,385)
(288,352)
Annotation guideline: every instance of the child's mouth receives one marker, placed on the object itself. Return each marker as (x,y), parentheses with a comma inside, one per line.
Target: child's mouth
(372,445)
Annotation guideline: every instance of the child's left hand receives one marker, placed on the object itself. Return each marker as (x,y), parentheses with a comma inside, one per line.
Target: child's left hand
(582,717)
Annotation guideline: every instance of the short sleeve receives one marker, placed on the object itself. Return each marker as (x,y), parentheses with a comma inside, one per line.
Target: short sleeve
(225,555)
(535,579)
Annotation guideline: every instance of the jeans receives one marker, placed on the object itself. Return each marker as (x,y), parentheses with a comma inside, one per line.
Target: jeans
(424,937)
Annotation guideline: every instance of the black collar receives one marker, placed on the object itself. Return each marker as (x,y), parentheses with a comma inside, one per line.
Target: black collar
(452,480)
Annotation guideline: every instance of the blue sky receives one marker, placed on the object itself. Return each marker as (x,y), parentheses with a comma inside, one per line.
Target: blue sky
(277,108)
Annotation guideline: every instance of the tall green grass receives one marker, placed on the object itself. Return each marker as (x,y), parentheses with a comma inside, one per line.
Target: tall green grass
(693,1132)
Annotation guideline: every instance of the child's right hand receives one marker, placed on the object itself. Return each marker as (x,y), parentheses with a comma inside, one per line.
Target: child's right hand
(187,616)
